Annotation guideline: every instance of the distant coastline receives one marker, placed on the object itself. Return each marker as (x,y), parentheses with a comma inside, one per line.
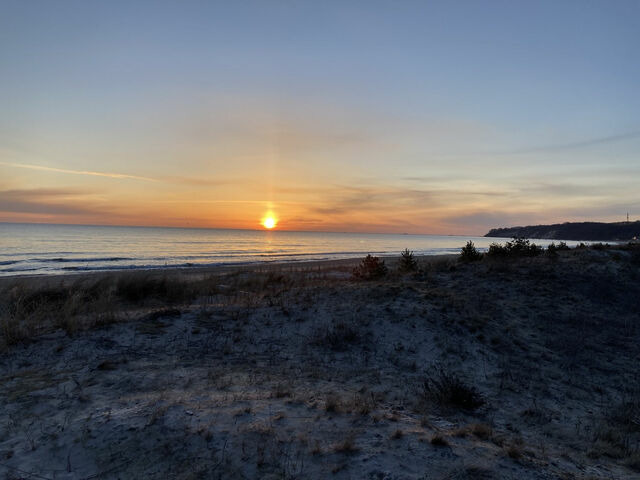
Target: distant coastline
(587,231)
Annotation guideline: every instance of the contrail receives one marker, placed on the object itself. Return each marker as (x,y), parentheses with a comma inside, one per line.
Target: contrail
(77,172)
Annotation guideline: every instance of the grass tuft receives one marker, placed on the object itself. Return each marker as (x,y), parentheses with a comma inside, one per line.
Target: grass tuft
(448,390)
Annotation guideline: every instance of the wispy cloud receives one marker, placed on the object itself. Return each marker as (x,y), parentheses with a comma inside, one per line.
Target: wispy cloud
(48,201)
(193,181)
(580,144)
(77,172)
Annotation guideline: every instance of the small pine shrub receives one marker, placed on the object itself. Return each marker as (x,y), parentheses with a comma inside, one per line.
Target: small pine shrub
(518,247)
(553,249)
(469,253)
(522,247)
(370,268)
(407,262)
(497,250)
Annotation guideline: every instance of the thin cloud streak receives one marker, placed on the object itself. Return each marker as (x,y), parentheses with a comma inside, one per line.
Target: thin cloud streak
(77,172)
(178,180)
(575,145)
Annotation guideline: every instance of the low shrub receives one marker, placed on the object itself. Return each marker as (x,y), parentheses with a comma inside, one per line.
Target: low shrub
(439,441)
(407,261)
(517,247)
(469,253)
(448,390)
(523,247)
(136,288)
(497,250)
(370,268)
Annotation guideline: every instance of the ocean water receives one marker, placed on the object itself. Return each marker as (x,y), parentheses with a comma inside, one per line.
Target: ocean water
(32,249)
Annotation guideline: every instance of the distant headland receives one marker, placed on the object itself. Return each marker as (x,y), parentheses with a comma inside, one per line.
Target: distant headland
(618,231)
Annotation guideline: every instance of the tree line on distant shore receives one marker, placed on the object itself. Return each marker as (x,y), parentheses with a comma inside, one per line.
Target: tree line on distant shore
(595,231)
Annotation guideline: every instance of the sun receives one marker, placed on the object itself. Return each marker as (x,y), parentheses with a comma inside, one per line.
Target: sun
(269,221)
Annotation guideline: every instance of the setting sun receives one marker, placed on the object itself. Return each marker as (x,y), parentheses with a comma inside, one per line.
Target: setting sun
(269,221)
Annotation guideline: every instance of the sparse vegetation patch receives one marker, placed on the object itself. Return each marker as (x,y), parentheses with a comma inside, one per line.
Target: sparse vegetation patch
(447,389)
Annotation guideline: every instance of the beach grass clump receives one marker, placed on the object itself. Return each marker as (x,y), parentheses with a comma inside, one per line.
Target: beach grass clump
(408,262)
(339,335)
(138,289)
(348,445)
(447,389)
(438,440)
(627,413)
(12,331)
(469,253)
(370,268)
(24,310)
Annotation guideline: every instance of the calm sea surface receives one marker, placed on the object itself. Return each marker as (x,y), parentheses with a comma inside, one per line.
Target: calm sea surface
(28,249)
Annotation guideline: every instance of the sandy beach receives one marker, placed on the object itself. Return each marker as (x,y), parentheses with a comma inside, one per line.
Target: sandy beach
(502,368)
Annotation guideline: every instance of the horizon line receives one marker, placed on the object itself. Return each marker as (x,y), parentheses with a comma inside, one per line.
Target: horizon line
(239,229)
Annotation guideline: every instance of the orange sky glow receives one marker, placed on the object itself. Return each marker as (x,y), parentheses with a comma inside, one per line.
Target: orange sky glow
(427,117)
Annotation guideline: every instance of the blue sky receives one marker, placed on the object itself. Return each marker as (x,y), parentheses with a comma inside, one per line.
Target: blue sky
(444,117)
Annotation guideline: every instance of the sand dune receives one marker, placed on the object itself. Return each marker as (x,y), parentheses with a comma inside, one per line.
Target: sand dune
(514,368)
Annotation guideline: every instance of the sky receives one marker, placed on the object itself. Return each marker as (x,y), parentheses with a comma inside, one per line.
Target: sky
(447,117)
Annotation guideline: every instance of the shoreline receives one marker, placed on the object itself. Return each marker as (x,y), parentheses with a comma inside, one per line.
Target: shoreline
(220,268)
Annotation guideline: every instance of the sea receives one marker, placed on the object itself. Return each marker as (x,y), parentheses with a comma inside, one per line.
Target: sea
(46,249)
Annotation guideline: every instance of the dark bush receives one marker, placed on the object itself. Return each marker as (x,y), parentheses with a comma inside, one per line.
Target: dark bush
(136,289)
(448,390)
(370,268)
(553,249)
(518,247)
(522,247)
(469,253)
(497,250)
(407,261)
